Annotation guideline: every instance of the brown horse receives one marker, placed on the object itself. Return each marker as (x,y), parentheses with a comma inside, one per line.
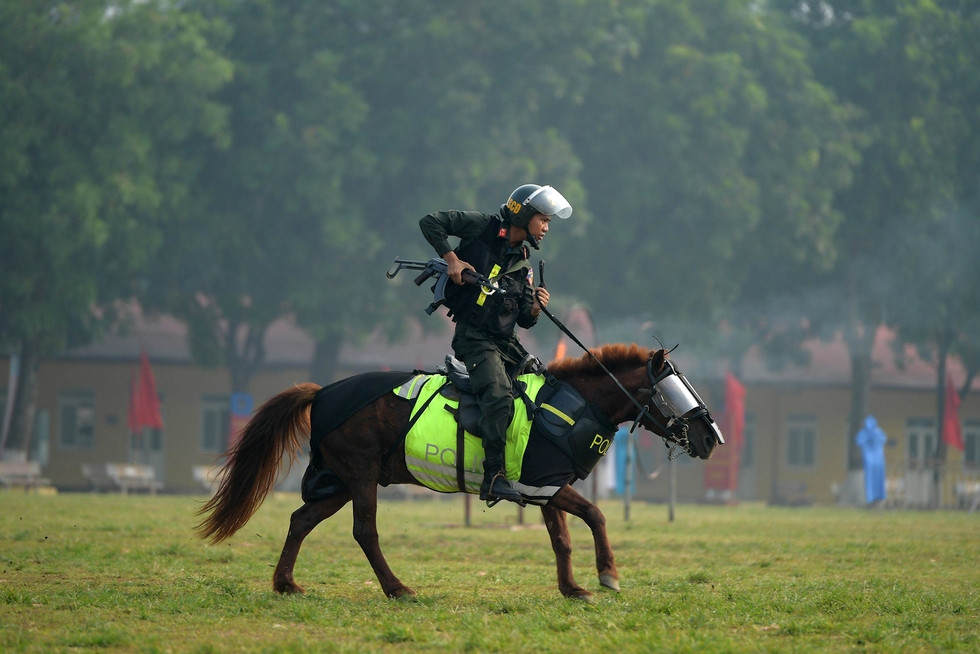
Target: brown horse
(356,451)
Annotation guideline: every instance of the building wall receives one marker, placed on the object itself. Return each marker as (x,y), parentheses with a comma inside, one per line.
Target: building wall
(181,387)
(773,407)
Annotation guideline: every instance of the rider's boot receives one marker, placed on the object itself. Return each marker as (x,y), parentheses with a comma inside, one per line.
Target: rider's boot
(495,486)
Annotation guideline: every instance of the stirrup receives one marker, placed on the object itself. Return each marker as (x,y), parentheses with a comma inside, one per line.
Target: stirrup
(519,499)
(489,494)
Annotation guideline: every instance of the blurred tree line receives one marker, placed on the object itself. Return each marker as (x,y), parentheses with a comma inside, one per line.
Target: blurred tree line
(756,172)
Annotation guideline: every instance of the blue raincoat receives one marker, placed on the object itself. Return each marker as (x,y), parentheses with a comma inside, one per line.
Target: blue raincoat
(619,447)
(871,439)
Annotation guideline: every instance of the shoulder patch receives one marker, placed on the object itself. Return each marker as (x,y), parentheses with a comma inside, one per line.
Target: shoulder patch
(502,233)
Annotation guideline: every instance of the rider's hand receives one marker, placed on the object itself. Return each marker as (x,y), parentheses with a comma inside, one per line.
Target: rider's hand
(541,298)
(455,267)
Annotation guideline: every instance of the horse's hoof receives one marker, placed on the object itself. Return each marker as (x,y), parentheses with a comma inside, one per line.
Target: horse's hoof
(403,594)
(609,581)
(580,594)
(287,587)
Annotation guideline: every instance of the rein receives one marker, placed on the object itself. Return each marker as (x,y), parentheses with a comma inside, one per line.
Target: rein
(644,408)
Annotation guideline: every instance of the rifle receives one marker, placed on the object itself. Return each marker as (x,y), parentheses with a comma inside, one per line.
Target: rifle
(436,267)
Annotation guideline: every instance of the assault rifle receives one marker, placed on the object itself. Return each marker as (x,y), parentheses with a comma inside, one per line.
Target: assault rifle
(436,267)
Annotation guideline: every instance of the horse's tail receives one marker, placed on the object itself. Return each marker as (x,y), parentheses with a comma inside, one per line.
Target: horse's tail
(276,429)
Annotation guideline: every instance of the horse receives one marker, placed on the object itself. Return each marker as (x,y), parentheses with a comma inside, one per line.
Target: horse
(356,451)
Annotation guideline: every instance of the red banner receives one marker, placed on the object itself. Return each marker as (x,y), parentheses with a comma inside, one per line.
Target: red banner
(579,321)
(721,470)
(734,427)
(144,403)
(952,433)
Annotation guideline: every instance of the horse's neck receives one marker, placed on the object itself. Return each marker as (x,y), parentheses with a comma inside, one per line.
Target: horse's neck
(603,392)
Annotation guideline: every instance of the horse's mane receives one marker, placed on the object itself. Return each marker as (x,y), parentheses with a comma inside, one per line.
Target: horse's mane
(614,356)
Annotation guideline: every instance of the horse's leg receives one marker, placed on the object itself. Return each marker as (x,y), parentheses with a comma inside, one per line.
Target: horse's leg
(301,523)
(570,500)
(355,452)
(365,497)
(561,542)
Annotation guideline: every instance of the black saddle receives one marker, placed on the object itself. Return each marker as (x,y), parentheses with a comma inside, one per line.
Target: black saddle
(460,388)
(457,374)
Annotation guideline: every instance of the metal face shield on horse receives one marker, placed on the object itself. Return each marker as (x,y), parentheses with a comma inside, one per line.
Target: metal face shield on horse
(680,404)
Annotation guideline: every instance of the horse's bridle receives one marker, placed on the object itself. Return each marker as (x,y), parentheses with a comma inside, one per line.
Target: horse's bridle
(679,403)
(670,391)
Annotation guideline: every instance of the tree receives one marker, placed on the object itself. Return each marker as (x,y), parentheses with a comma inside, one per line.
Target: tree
(457,116)
(902,64)
(270,207)
(939,312)
(713,155)
(100,111)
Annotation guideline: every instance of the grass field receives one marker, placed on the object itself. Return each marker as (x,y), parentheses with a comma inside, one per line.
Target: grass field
(113,573)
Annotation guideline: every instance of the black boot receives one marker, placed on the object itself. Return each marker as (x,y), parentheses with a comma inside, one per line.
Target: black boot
(495,487)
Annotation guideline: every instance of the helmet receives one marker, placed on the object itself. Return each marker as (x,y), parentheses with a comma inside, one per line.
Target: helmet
(531,199)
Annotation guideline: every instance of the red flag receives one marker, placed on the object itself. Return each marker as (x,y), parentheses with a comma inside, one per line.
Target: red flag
(952,434)
(721,471)
(144,403)
(561,350)
(132,416)
(734,410)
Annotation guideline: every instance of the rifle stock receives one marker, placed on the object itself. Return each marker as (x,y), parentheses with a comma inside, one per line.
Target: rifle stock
(437,267)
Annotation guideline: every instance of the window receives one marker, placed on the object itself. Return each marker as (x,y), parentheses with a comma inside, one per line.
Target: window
(920,440)
(146,447)
(801,441)
(76,419)
(971,441)
(748,442)
(215,423)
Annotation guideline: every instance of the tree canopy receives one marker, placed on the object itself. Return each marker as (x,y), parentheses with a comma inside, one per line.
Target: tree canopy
(234,162)
(103,115)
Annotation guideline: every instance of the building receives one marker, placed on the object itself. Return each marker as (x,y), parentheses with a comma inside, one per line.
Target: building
(796,430)
(795,437)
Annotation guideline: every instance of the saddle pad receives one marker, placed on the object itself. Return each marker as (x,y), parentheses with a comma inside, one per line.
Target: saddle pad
(335,403)
(430,447)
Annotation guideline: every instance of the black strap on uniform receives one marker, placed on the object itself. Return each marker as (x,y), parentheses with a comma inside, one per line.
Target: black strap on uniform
(411,423)
(460,445)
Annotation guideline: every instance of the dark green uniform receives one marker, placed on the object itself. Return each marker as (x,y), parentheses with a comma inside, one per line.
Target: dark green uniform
(484,339)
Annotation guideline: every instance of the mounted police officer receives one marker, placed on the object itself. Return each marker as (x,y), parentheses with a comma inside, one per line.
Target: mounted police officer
(493,245)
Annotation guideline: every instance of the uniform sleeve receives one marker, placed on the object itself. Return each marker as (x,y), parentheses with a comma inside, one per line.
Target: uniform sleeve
(524,317)
(438,226)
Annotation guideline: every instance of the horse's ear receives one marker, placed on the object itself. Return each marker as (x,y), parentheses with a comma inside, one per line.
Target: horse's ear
(657,361)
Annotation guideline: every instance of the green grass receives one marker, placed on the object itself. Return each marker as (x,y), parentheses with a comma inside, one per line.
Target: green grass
(112,573)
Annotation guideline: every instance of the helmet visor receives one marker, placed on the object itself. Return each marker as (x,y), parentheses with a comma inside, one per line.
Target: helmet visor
(550,202)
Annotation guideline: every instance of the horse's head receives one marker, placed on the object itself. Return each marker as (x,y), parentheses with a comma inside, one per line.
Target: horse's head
(676,412)
(684,419)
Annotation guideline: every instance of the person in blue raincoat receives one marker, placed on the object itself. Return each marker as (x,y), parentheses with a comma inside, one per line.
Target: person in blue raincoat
(619,451)
(871,439)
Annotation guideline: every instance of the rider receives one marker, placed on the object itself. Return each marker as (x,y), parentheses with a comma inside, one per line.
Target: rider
(493,245)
